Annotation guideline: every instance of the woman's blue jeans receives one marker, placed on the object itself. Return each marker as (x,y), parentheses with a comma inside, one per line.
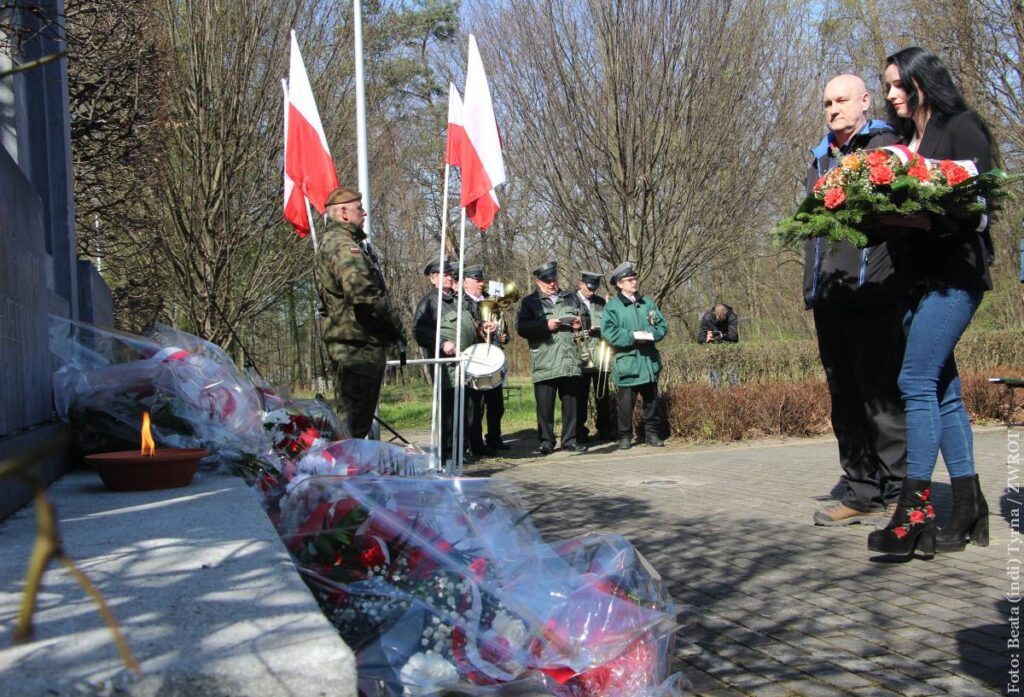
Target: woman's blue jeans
(930,384)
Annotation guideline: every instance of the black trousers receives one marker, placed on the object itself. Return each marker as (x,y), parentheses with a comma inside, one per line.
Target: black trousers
(544,392)
(448,432)
(602,406)
(861,352)
(626,398)
(479,402)
(494,403)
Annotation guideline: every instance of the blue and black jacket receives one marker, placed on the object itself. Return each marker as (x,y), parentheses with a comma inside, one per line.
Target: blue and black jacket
(844,275)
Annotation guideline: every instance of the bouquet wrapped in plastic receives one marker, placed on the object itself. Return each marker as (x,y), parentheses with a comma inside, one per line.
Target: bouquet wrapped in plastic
(445,585)
(192,390)
(891,182)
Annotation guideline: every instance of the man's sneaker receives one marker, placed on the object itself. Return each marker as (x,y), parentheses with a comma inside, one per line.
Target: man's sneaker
(841,514)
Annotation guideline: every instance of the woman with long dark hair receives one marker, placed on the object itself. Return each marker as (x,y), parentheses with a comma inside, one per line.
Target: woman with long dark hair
(946,269)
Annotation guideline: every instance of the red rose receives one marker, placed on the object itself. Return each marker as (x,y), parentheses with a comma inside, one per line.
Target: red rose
(881,175)
(900,532)
(929,511)
(479,567)
(954,172)
(917,516)
(443,546)
(834,198)
(877,158)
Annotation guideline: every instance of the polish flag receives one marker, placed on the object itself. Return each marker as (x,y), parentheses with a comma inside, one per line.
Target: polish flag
(480,158)
(456,131)
(308,160)
(294,203)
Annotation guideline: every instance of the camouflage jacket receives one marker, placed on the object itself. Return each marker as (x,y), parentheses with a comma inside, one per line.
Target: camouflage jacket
(353,297)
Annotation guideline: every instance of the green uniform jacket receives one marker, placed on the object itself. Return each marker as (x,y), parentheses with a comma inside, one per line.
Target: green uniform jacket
(353,297)
(552,354)
(633,365)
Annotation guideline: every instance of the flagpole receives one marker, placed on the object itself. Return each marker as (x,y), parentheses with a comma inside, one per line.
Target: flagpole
(435,404)
(364,170)
(460,402)
(312,230)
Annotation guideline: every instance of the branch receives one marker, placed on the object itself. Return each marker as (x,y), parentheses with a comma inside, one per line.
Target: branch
(22,67)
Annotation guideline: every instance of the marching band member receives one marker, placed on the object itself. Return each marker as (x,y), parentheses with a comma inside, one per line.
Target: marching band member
(478,400)
(632,324)
(588,285)
(546,319)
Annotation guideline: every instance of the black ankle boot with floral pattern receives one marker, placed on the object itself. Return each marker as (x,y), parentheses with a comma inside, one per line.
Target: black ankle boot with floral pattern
(912,526)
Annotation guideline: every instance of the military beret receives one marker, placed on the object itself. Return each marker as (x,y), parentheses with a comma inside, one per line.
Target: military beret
(546,271)
(473,271)
(343,194)
(623,270)
(433,265)
(591,279)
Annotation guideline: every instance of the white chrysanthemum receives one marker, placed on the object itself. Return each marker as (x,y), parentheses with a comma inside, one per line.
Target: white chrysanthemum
(509,628)
(426,673)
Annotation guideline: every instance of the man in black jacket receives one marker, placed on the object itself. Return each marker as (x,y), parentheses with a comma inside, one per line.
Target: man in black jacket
(857,314)
(719,325)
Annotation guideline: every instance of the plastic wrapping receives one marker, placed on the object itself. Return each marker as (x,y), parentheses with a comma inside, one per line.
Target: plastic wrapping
(192,390)
(445,584)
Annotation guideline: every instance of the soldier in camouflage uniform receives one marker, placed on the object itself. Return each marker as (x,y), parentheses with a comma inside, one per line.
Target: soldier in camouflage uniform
(546,319)
(359,322)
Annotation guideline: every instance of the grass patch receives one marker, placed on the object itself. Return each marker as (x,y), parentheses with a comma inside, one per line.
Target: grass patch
(407,407)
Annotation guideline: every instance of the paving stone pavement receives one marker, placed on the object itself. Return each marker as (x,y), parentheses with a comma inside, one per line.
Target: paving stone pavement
(772,604)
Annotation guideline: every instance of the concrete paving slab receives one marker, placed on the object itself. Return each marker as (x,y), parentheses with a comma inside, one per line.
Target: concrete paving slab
(203,589)
(765,593)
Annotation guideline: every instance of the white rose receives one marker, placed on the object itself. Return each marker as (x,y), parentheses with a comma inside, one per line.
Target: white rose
(509,628)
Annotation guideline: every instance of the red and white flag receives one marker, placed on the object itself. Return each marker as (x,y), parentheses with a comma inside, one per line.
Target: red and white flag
(480,160)
(308,159)
(294,202)
(456,131)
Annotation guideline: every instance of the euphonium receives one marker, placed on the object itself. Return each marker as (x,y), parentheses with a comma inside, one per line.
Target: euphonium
(604,366)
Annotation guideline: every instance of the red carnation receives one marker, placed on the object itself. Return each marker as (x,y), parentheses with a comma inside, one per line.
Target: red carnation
(919,170)
(876,158)
(818,184)
(834,198)
(372,555)
(954,172)
(479,567)
(881,175)
(917,517)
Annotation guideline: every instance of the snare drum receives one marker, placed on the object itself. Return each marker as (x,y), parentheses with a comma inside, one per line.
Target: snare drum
(485,369)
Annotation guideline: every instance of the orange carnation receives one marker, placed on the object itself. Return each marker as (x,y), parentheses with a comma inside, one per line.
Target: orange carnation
(834,198)
(881,174)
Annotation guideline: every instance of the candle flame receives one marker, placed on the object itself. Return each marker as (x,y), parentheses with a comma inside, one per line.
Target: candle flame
(148,446)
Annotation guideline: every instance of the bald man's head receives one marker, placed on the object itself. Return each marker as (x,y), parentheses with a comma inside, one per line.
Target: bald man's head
(846,102)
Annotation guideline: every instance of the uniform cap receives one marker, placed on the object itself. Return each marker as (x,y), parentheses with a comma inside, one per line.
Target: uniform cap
(473,271)
(343,194)
(546,271)
(434,265)
(591,279)
(623,270)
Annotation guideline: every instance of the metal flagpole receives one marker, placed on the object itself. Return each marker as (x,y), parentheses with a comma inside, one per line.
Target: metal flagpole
(435,404)
(312,230)
(460,384)
(364,168)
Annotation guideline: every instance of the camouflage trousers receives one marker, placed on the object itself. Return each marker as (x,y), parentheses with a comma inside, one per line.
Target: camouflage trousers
(358,375)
